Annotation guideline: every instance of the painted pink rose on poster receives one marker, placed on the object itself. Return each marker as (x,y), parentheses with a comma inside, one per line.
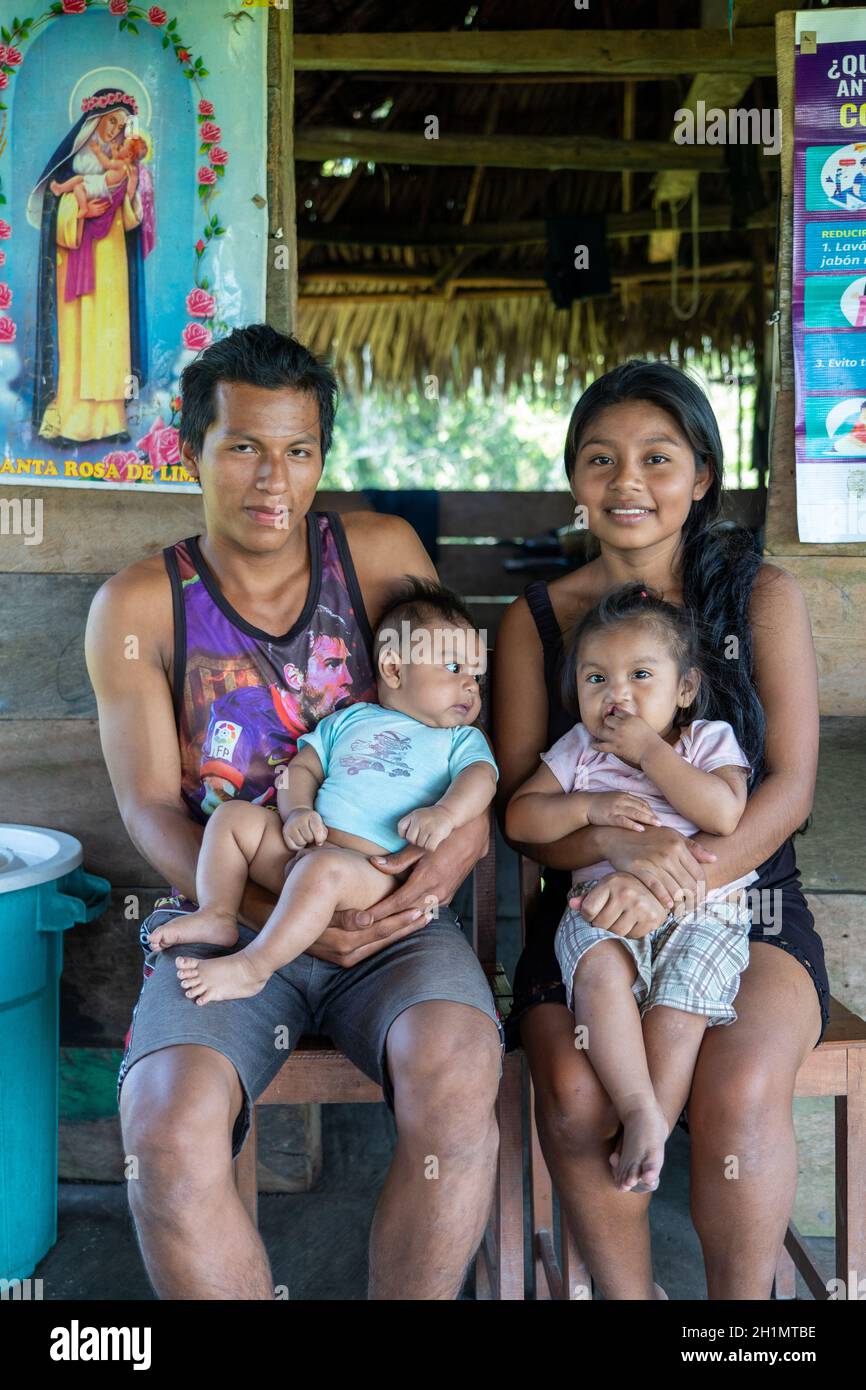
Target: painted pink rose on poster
(4,80)
(218,155)
(2,257)
(118,6)
(5,296)
(13,57)
(205,108)
(161,444)
(167,451)
(7,330)
(156,16)
(199,304)
(74,6)
(196,337)
(122,460)
(210,133)
(5,231)
(199,246)
(206,175)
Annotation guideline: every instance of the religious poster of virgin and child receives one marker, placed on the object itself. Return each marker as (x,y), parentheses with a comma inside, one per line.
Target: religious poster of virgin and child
(133,226)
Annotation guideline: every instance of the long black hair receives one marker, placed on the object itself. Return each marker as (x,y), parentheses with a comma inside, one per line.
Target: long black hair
(637,602)
(718,561)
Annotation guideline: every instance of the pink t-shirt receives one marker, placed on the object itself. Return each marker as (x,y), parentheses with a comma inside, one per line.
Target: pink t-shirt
(577,766)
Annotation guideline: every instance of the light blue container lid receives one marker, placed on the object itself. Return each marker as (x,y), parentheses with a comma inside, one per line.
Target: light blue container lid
(30,854)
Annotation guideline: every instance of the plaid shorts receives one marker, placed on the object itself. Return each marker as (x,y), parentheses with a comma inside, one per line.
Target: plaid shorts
(692,962)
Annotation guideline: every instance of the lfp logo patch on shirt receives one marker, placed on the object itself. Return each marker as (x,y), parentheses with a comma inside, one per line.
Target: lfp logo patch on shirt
(225,736)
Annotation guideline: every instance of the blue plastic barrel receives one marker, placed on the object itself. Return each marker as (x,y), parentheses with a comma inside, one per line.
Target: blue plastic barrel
(43,891)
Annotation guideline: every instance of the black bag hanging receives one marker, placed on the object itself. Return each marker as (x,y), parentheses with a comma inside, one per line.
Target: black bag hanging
(576,264)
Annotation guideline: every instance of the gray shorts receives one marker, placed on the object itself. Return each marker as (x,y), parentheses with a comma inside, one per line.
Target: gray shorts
(354,1006)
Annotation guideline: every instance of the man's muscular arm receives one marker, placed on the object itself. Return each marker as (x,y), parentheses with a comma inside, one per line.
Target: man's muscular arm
(137,729)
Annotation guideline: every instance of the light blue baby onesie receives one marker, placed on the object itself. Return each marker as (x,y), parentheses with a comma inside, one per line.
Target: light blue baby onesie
(380,764)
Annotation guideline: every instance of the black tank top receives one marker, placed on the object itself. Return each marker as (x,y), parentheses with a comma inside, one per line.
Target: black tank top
(779,869)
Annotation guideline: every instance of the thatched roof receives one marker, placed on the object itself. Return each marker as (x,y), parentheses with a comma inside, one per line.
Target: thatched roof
(445,308)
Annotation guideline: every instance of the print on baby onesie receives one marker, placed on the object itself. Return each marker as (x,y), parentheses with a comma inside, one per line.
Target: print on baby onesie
(385,752)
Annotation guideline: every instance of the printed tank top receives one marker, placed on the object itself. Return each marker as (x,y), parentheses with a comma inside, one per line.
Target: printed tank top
(242,697)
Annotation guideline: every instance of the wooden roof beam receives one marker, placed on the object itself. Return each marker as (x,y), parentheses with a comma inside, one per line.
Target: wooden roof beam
(502,235)
(505,151)
(629,52)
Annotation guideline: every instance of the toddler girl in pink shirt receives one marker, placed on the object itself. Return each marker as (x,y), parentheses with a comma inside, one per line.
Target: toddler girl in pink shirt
(641,755)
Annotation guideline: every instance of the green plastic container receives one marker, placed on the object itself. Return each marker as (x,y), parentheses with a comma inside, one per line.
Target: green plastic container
(43,891)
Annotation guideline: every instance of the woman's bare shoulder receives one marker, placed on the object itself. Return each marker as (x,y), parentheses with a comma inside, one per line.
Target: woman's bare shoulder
(517,631)
(775,592)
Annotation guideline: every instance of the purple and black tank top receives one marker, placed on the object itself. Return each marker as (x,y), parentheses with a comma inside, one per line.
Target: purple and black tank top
(242,696)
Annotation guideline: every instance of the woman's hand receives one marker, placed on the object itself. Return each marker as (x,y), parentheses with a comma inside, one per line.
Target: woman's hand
(620,903)
(666,862)
(96,207)
(434,879)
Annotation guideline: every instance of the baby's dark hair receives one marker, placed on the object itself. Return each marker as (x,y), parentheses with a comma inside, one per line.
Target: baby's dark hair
(638,603)
(420,603)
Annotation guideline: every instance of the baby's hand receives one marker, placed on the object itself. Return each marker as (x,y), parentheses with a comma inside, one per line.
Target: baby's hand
(626,735)
(622,809)
(427,827)
(304,827)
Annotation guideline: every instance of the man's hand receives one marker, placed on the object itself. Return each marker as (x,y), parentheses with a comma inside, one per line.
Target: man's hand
(666,862)
(621,904)
(427,827)
(434,879)
(303,827)
(620,808)
(626,735)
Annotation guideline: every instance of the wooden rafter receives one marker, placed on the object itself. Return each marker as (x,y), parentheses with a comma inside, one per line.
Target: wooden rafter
(319,143)
(504,234)
(623,51)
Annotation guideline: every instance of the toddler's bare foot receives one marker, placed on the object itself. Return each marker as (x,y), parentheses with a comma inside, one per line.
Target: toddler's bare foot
(220,977)
(55,187)
(216,928)
(638,1160)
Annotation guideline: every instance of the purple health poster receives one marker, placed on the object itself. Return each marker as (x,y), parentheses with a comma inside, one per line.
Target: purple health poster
(829,274)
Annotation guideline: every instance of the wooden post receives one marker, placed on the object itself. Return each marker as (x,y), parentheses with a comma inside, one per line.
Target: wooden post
(281,301)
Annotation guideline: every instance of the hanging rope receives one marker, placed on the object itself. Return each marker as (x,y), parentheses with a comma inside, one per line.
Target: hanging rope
(682,312)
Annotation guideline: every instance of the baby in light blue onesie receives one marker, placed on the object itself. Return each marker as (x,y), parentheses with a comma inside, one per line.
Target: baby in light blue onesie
(367,781)
(380,764)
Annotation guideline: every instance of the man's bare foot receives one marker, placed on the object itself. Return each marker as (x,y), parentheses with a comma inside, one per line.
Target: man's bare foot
(637,1161)
(220,977)
(206,925)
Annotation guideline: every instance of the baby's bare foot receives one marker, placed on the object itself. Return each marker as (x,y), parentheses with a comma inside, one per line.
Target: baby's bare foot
(638,1160)
(216,928)
(54,186)
(220,977)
